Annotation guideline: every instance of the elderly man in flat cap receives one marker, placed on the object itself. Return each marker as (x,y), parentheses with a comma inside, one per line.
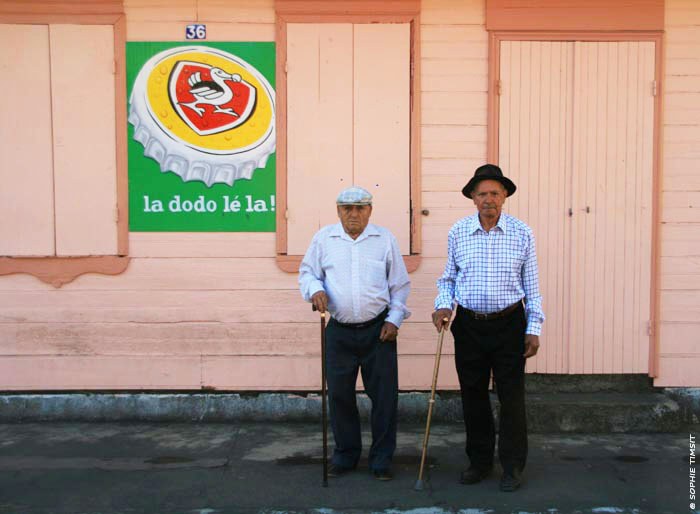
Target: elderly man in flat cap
(491,270)
(354,269)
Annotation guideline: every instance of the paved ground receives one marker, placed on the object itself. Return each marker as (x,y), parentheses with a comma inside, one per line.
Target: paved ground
(91,468)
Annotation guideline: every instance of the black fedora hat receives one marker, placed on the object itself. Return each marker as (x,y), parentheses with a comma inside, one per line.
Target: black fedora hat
(488,172)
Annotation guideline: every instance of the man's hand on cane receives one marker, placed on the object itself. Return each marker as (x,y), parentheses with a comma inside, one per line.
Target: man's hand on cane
(320,301)
(441,318)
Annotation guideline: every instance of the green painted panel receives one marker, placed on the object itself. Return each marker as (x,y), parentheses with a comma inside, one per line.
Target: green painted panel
(201,136)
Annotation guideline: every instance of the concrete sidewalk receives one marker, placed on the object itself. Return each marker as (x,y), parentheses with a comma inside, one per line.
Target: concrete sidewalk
(92,468)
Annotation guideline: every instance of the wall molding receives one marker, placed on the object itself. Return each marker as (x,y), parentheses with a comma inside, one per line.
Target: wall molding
(588,15)
(58,271)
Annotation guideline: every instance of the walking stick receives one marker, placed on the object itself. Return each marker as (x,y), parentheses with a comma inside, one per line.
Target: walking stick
(419,483)
(324,415)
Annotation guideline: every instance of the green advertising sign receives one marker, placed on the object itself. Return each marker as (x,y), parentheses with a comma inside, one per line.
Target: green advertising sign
(201,137)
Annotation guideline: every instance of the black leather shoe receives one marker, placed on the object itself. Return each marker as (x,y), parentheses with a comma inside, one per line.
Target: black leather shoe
(474,475)
(510,481)
(383,474)
(335,471)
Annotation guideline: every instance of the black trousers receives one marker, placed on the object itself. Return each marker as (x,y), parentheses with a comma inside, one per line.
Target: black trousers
(481,347)
(347,351)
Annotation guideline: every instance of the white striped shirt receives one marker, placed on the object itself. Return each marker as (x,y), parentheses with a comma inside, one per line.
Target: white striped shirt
(489,271)
(361,277)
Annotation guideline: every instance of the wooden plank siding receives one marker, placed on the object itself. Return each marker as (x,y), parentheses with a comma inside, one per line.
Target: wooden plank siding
(679,279)
(454,65)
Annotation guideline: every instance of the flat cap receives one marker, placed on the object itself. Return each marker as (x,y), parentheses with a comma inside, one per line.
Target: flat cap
(354,196)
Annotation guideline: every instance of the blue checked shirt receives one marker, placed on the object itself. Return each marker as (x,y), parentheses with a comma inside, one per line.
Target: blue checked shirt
(361,277)
(489,271)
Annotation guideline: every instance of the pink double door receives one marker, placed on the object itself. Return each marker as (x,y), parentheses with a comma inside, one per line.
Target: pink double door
(576,127)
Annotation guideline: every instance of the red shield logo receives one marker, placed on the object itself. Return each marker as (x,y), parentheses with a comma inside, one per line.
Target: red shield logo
(208,99)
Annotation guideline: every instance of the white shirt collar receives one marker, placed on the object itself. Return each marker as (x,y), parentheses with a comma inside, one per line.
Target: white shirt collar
(338,231)
(475,224)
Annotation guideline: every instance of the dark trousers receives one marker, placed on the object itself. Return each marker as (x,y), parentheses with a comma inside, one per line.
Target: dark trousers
(347,350)
(480,347)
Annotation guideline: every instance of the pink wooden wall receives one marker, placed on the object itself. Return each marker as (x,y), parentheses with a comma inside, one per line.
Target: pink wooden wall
(679,328)
(214,310)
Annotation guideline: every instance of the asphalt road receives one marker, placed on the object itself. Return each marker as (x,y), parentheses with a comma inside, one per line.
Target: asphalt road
(275,467)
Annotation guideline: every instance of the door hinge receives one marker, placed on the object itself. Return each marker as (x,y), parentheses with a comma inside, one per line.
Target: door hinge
(114,66)
(499,87)
(650,328)
(286,67)
(654,88)
(286,214)
(116,214)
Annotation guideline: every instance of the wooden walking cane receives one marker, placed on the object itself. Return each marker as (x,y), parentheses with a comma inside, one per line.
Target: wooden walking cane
(419,483)
(324,415)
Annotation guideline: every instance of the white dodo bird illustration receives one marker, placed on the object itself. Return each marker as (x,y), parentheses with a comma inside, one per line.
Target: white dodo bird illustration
(214,92)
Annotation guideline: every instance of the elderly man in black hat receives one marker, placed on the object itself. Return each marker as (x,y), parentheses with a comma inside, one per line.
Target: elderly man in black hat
(491,275)
(354,269)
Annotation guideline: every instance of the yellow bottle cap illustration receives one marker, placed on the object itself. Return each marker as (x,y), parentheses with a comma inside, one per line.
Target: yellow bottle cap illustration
(204,114)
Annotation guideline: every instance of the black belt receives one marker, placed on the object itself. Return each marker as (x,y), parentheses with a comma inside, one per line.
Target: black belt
(364,324)
(490,315)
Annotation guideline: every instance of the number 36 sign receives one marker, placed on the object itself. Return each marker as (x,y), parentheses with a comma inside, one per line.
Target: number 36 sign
(196,32)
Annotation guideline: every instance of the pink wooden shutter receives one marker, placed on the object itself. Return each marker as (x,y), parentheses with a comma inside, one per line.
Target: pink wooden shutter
(26,167)
(382,122)
(82,71)
(319,126)
(347,123)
